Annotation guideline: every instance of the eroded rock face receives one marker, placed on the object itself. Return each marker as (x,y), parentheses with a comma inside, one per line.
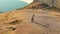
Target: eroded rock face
(37,5)
(58,4)
(35,0)
(51,3)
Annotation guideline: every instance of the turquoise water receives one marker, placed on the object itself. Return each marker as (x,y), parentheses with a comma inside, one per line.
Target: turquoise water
(9,5)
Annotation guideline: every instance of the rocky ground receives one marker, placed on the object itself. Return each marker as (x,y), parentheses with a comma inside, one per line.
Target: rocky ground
(45,21)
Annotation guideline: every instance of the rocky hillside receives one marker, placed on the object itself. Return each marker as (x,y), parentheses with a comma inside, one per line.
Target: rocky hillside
(19,22)
(31,20)
(36,5)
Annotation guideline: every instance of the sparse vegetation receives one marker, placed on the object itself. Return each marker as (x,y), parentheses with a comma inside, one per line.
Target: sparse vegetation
(12,28)
(3,18)
(7,31)
(15,22)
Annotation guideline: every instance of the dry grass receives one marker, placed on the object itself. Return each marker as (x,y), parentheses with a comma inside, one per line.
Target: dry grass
(21,19)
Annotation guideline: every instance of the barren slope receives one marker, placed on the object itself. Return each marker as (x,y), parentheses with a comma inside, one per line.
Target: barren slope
(19,22)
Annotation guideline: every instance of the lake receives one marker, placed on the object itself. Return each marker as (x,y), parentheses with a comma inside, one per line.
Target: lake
(9,5)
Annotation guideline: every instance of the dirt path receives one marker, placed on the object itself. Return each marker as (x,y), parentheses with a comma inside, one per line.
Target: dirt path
(46,20)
